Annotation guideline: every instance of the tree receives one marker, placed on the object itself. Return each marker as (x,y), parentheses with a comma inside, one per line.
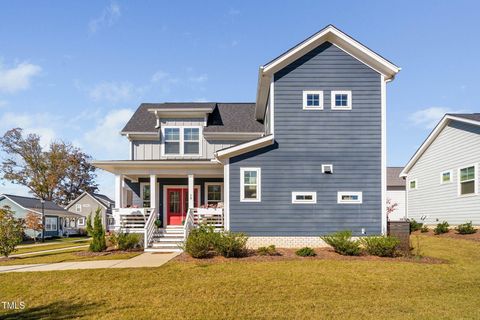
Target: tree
(98,243)
(89,225)
(391,207)
(33,222)
(60,173)
(11,231)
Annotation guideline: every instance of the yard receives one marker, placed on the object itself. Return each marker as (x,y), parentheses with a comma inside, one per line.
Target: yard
(243,289)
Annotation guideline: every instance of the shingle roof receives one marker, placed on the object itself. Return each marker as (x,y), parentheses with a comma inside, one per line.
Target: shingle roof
(34,204)
(226,117)
(393,177)
(469,116)
(103,198)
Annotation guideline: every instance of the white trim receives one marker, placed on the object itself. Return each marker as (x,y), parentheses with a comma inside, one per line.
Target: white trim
(325,165)
(258,185)
(431,137)
(383,169)
(272,106)
(226,196)
(450,172)
(304,193)
(81,221)
(232,135)
(340,194)
(206,184)
(475,180)
(349,100)
(245,147)
(165,187)
(305,100)
(416,184)
(56,223)
(78,207)
(181,137)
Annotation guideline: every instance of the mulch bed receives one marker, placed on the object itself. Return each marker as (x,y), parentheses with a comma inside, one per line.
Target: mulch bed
(109,252)
(289,254)
(451,234)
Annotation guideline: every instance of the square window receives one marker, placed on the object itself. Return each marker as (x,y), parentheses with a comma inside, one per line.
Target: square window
(341,100)
(446,177)
(313,100)
(412,184)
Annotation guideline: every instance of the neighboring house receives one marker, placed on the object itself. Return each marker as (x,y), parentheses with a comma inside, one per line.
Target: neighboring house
(396,193)
(306,159)
(443,175)
(87,203)
(58,221)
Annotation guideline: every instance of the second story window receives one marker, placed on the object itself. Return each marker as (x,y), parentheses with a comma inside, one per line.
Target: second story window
(181,141)
(172,140)
(313,100)
(191,141)
(341,100)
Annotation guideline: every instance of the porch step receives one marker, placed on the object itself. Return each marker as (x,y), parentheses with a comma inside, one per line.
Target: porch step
(149,249)
(167,239)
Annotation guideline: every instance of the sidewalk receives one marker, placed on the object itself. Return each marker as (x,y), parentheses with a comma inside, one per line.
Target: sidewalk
(147,259)
(47,251)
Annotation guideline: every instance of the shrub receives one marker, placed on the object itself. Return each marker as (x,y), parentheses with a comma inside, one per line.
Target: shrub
(232,245)
(267,251)
(201,242)
(385,246)
(342,243)
(306,252)
(424,229)
(11,231)
(125,241)
(466,228)
(415,226)
(98,243)
(441,228)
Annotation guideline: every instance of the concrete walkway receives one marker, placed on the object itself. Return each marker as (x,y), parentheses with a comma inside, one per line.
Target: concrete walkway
(147,259)
(47,251)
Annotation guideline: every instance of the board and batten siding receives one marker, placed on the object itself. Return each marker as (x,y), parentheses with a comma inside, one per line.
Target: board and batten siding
(306,139)
(457,146)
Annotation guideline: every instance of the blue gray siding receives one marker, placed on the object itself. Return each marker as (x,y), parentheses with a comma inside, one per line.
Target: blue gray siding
(350,140)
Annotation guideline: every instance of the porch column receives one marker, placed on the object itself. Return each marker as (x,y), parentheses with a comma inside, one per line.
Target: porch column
(191,202)
(153,192)
(118,190)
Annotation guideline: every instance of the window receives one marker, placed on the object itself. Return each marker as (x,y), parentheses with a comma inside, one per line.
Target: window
(191,139)
(304,197)
(446,177)
(327,168)
(72,223)
(467,180)
(413,184)
(81,221)
(50,224)
(78,207)
(181,141)
(145,194)
(250,186)
(213,192)
(313,100)
(172,140)
(111,221)
(341,100)
(352,197)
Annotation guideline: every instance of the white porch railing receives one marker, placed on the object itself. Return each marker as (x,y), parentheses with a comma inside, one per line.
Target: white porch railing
(149,229)
(189,223)
(131,220)
(209,216)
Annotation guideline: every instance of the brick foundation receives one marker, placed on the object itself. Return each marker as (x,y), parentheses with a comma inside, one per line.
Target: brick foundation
(286,242)
(401,230)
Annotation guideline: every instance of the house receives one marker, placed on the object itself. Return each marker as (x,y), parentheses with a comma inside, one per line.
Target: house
(58,221)
(307,158)
(442,176)
(87,203)
(396,194)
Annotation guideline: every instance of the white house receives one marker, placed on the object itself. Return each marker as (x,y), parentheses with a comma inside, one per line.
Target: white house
(396,194)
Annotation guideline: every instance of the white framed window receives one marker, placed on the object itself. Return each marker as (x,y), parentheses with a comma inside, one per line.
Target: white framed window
(304,197)
(145,194)
(78,207)
(467,180)
(50,224)
(181,141)
(81,221)
(413,184)
(446,177)
(327,168)
(250,184)
(350,197)
(213,192)
(341,100)
(111,221)
(312,100)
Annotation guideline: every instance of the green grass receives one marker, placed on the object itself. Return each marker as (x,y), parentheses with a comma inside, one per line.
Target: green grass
(50,246)
(55,240)
(297,289)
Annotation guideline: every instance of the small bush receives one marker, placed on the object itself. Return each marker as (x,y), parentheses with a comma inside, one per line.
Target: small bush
(232,245)
(306,252)
(415,226)
(381,246)
(424,229)
(342,243)
(441,228)
(201,242)
(126,241)
(466,228)
(267,251)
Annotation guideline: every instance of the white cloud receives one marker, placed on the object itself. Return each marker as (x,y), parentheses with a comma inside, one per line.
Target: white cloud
(17,78)
(112,91)
(31,123)
(429,117)
(198,79)
(109,16)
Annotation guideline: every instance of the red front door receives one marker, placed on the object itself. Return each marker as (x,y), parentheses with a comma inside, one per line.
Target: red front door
(177,204)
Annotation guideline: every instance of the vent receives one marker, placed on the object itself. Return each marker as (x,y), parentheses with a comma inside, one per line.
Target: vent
(327,168)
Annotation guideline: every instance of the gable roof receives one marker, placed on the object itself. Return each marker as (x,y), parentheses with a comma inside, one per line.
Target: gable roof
(101,199)
(393,177)
(328,34)
(471,118)
(223,117)
(35,205)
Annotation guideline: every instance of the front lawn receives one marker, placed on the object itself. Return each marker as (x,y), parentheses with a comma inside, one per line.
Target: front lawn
(305,289)
(51,246)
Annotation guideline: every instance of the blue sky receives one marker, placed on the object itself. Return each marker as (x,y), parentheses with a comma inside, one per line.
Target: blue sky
(76,71)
